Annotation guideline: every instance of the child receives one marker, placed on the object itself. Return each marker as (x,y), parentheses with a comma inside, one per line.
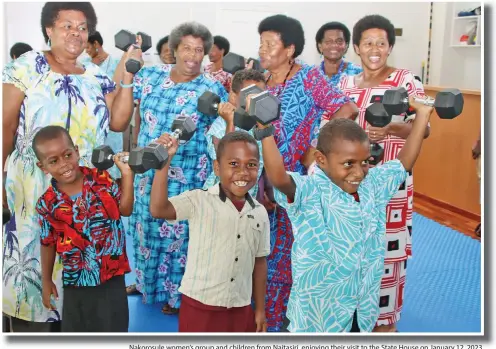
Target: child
(80,217)
(339,215)
(229,240)
(225,122)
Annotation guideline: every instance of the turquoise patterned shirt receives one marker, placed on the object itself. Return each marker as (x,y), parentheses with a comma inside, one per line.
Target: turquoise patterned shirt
(338,250)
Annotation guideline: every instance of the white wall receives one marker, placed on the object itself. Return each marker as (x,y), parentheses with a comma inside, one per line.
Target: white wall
(238,21)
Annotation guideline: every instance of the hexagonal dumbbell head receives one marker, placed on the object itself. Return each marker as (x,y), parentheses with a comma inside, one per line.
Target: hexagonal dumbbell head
(102,157)
(449,103)
(154,156)
(233,62)
(395,101)
(124,39)
(265,108)
(136,160)
(146,41)
(186,126)
(208,103)
(377,116)
(243,120)
(248,90)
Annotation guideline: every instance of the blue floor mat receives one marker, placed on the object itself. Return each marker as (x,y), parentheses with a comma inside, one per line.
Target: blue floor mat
(442,291)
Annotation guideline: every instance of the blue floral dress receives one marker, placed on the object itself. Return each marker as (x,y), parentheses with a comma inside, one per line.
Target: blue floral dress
(76,102)
(160,248)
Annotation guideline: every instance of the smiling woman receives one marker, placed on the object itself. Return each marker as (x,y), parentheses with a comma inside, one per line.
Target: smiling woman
(43,88)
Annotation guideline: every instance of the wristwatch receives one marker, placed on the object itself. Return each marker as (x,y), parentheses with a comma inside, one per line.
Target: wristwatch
(260,134)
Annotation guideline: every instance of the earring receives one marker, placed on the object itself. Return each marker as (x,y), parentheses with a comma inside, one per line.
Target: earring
(49,43)
(96,50)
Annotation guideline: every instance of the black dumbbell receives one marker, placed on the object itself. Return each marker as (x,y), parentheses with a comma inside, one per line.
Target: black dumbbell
(256,64)
(248,90)
(155,155)
(124,39)
(265,108)
(5,215)
(233,62)
(448,103)
(103,159)
(377,116)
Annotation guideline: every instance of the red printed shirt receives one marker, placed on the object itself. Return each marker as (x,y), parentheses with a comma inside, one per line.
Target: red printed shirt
(87,230)
(221,76)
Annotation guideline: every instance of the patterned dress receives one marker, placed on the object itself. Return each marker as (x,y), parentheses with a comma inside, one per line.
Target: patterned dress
(76,102)
(304,98)
(399,209)
(345,68)
(114,140)
(160,248)
(221,76)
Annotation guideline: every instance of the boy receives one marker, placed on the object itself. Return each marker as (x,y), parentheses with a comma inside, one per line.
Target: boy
(229,240)
(80,217)
(225,121)
(339,215)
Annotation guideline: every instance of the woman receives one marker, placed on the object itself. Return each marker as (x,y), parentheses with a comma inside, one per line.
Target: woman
(164,51)
(373,40)
(108,64)
(166,92)
(333,40)
(219,49)
(40,89)
(305,95)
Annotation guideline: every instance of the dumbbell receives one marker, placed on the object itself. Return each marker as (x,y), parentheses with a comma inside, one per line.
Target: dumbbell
(208,104)
(155,155)
(265,108)
(5,215)
(124,39)
(448,103)
(248,90)
(233,62)
(377,116)
(103,159)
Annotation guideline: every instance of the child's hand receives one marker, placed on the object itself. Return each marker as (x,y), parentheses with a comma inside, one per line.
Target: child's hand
(170,143)
(48,289)
(226,111)
(261,321)
(121,165)
(420,108)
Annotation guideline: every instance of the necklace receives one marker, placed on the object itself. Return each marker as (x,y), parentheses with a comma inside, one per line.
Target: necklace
(282,87)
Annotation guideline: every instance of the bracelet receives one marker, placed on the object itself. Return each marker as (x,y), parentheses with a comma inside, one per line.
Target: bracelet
(126,86)
(260,134)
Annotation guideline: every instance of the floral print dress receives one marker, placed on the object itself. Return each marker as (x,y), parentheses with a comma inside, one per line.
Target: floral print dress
(76,102)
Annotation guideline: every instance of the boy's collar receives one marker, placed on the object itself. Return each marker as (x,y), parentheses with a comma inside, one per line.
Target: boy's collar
(217,189)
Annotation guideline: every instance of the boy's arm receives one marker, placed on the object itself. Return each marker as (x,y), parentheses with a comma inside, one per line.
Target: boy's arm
(48,254)
(274,167)
(410,151)
(259,290)
(126,199)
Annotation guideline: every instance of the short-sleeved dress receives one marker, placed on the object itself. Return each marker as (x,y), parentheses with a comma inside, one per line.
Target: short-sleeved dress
(76,102)
(399,209)
(160,248)
(114,140)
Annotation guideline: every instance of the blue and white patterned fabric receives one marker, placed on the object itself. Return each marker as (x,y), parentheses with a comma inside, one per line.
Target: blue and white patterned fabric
(338,249)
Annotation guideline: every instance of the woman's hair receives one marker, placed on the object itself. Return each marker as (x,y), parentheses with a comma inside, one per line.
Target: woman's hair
(50,13)
(222,43)
(18,49)
(288,28)
(332,26)
(95,37)
(194,29)
(373,22)
(161,43)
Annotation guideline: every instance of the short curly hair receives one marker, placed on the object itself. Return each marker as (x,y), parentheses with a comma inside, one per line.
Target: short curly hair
(373,22)
(95,37)
(18,49)
(195,29)
(233,137)
(245,75)
(332,26)
(161,43)
(290,30)
(222,43)
(50,13)
(339,129)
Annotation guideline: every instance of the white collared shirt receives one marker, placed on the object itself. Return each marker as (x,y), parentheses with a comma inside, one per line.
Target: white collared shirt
(223,245)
